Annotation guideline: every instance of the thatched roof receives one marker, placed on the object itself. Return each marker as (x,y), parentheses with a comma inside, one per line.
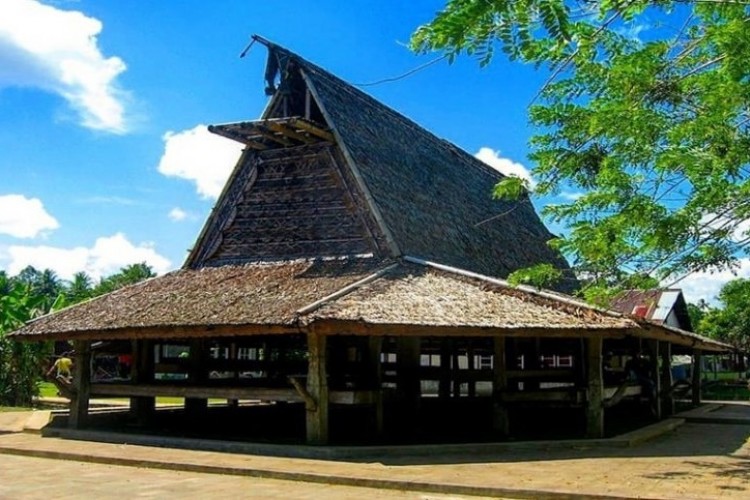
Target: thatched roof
(426,196)
(205,301)
(341,296)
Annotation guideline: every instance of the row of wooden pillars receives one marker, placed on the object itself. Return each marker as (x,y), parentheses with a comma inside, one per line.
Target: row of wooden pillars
(408,383)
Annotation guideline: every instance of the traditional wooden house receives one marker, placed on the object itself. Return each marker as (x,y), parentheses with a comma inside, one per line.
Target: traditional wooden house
(355,260)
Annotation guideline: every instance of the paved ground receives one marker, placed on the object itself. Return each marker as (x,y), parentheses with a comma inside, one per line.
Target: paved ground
(698,460)
(62,479)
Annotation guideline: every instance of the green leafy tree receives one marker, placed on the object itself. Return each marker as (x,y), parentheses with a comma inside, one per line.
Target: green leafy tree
(653,134)
(731,322)
(80,288)
(20,362)
(128,275)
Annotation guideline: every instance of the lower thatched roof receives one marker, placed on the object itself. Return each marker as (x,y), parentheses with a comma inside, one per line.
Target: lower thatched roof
(339,296)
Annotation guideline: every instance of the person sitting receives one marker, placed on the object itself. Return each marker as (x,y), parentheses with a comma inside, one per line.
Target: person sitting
(63,366)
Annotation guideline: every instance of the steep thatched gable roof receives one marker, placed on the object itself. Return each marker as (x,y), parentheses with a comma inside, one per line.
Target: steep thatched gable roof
(422,195)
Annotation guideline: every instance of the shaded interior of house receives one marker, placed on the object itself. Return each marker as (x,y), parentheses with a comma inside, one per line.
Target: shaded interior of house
(348,288)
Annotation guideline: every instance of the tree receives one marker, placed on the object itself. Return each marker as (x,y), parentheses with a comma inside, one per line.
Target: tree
(653,134)
(20,362)
(731,322)
(128,275)
(80,288)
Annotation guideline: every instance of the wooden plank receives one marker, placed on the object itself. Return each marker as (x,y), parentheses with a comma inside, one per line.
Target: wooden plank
(544,374)
(595,388)
(317,386)
(500,421)
(79,404)
(188,391)
(571,396)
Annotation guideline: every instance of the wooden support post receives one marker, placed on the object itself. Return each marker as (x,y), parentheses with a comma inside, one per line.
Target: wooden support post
(500,421)
(665,376)
(444,385)
(197,407)
(655,376)
(375,348)
(595,388)
(472,389)
(142,372)
(408,384)
(317,387)
(79,404)
(697,362)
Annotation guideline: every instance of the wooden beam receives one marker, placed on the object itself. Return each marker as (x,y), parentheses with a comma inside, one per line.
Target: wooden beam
(317,387)
(283,129)
(171,332)
(142,372)
(697,365)
(374,351)
(595,388)
(667,398)
(79,404)
(350,327)
(197,375)
(311,128)
(655,376)
(408,385)
(500,421)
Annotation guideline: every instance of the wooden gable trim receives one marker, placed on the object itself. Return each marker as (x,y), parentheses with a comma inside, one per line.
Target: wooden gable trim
(372,205)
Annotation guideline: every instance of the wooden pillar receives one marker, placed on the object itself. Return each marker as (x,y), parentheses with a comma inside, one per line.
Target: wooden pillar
(595,388)
(667,400)
(655,376)
(317,387)
(407,380)
(142,372)
(697,362)
(197,375)
(444,385)
(500,421)
(375,348)
(79,404)
(472,382)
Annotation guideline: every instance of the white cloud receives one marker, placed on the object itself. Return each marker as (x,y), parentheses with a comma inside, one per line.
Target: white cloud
(706,285)
(23,217)
(177,214)
(56,50)
(199,156)
(105,257)
(504,165)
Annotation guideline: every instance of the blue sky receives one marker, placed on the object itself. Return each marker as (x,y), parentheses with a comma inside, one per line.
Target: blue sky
(104,103)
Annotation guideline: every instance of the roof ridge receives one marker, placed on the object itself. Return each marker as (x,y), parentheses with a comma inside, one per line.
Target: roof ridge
(471,160)
(345,290)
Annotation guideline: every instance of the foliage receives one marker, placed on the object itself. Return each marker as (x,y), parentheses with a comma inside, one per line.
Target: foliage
(654,134)
(33,293)
(731,322)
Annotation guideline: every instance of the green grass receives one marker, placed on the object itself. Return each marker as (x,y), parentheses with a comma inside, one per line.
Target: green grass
(4,409)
